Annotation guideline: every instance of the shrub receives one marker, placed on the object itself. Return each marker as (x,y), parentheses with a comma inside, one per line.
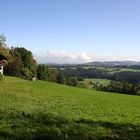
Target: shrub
(138,92)
(82,85)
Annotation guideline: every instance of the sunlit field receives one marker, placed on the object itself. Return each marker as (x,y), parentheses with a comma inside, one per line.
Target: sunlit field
(40,110)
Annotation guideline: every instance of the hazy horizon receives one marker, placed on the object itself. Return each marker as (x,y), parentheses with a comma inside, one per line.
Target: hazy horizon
(73,31)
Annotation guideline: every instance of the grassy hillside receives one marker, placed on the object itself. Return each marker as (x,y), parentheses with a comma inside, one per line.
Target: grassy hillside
(43,110)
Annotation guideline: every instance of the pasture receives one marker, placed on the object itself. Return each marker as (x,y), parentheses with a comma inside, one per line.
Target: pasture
(42,110)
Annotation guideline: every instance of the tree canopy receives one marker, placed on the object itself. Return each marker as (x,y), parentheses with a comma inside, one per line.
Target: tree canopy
(20,60)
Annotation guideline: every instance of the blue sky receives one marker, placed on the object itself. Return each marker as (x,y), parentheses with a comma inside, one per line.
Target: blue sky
(73,31)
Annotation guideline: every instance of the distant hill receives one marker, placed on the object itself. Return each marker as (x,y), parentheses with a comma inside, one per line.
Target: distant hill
(113,63)
(100,63)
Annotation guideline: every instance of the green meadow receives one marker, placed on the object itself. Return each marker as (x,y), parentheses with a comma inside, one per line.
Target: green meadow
(111,70)
(41,110)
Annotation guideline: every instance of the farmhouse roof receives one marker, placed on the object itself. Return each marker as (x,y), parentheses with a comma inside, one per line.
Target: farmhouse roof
(2,57)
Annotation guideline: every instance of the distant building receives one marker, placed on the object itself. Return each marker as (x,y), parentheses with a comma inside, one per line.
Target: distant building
(1,69)
(3,60)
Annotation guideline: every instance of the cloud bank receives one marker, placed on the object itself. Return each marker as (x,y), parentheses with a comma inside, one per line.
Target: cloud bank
(65,57)
(61,57)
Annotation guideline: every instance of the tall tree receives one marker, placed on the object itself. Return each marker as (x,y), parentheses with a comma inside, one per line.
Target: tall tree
(2,40)
(3,49)
(42,72)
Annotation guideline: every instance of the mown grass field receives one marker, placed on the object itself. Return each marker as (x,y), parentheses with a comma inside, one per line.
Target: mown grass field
(42,110)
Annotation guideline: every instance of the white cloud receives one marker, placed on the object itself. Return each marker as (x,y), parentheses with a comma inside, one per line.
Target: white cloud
(64,57)
(55,56)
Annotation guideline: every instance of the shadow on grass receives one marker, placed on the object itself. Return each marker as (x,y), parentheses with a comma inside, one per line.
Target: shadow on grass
(49,127)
